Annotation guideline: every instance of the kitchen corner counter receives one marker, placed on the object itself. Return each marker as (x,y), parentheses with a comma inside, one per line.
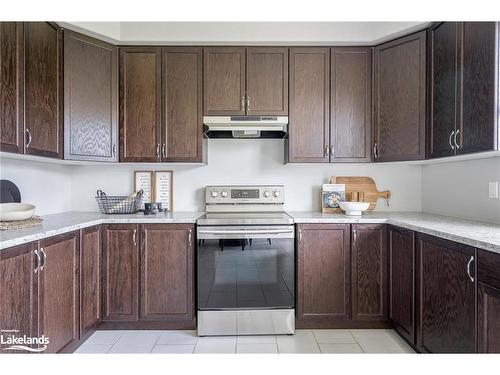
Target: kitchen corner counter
(69,221)
(478,234)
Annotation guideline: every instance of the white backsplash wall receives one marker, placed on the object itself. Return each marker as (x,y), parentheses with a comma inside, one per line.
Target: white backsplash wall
(460,189)
(47,186)
(249,162)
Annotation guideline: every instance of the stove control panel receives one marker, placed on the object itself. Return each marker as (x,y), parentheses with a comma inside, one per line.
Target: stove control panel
(233,194)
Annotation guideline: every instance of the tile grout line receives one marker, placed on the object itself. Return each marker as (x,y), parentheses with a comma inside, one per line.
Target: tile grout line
(357,342)
(156,342)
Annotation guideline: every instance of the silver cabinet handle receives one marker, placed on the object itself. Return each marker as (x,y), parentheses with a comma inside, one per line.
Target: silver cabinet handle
(190,238)
(327,150)
(29,138)
(134,237)
(375,150)
(449,140)
(249,231)
(114,150)
(354,236)
(44,259)
(37,261)
(242,106)
(248,103)
(300,235)
(164,150)
(158,150)
(455,139)
(468,268)
(332,150)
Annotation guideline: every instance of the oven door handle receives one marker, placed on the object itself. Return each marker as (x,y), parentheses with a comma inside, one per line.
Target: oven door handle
(246,232)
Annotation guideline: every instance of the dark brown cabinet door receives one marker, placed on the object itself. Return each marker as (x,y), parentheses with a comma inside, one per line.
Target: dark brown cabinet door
(488,319)
(11,87)
(478,130)
(446,292)
(18,294)
(59,290)
(140,104)
(443,88)
(267,81)
(399,99)
(120,272)
(167,287)
(43,89)
(90,98)
(309,119)
(224,80)
(182,105)
(90,278)
(402,281)
(323,276)
(369,272)
(350,104)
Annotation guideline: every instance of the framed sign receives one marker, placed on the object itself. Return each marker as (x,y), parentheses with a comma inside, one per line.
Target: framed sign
(143,180)
(163,186)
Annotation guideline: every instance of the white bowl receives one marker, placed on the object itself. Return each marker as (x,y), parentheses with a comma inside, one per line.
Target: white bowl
(354,208)
(16,211)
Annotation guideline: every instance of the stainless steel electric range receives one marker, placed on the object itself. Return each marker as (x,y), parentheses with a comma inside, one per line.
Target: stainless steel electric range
(245,262)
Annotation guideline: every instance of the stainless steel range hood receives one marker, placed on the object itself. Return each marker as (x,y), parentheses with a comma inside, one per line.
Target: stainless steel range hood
(245,126)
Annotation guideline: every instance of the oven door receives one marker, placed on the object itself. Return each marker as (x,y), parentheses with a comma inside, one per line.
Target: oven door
(246,280)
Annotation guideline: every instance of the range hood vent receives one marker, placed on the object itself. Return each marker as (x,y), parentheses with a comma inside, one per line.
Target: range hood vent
(245,126)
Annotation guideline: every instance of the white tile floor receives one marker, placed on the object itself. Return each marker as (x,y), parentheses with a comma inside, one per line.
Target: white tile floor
(304,341)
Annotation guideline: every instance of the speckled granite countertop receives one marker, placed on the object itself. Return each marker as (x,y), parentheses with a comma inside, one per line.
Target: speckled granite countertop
(69,221)
(481,235)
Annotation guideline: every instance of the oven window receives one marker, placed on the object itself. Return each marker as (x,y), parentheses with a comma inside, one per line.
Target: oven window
(246,274)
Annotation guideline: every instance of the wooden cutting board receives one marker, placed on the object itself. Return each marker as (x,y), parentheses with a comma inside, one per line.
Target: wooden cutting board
(364,185)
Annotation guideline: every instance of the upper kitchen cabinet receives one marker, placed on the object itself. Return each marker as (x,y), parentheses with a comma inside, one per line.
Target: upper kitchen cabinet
(239,81)
(446,294)
(140,103)
(224,80)
(463,88)
(399,103)
(43,89)
(267,81)
(350,104)
(11,87)
(478,129)
(309,112)
(90,99)
(182,105)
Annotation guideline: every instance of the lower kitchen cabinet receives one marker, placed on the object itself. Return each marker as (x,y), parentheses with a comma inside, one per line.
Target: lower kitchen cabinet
(323,274)
(120,272)
(58,311)
(18,294)
(369,272)
(488,309)
(90,278)
(402,281)
(167,272)
(446,293)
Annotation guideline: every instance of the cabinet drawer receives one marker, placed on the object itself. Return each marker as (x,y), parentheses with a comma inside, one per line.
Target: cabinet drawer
(488,268)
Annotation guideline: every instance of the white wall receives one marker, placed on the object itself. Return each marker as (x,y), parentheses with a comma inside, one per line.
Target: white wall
(307,33)
(250,162)
(47,186)
(460,189)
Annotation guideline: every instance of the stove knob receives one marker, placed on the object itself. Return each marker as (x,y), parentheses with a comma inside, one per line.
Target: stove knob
(214,194)
(267,194)
(224,194)
(276,193)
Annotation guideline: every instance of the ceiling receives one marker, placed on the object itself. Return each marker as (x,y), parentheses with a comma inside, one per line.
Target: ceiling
(246,33)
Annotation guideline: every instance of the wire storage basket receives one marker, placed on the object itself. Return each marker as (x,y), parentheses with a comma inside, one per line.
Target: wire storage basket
(119,204)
